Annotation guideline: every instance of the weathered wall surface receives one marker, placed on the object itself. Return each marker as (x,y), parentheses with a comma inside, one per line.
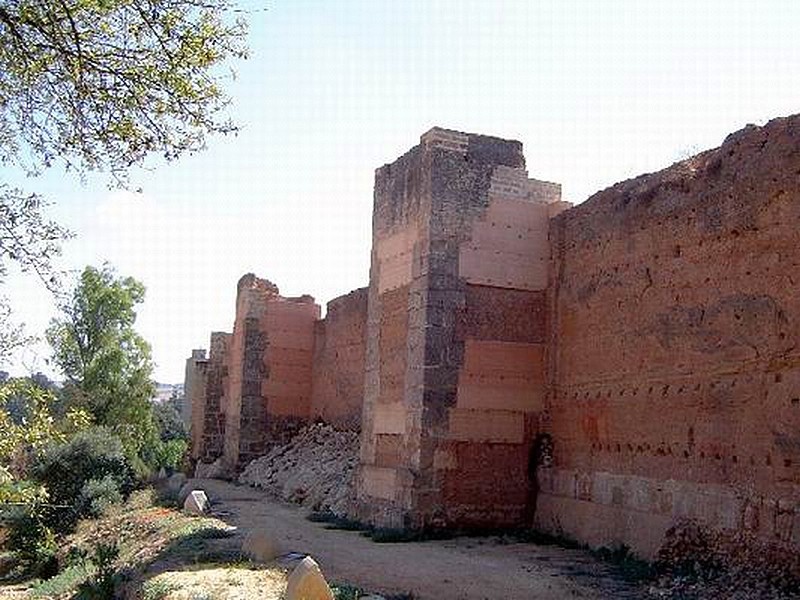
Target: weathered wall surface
(675,363)
(194,385)
(338,364)
(482,458)
(208,400)
(269,385)
(453,390)
(395,341)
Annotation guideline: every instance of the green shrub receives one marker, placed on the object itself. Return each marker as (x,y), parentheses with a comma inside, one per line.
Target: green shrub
(169,454)
(65,469)
(66,581)
(31,538)
(104,583)
(97,495)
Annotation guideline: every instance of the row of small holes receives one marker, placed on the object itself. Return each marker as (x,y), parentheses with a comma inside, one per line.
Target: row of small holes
(660,451)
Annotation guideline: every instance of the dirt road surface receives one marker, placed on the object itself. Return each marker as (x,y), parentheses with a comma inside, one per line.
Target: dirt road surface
(466,568)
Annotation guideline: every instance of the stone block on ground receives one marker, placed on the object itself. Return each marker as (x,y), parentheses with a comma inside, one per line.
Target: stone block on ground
(259,546)
(196,503)
(307,582)
(187,489)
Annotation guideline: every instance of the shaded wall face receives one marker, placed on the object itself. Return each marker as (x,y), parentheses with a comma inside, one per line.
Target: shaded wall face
(675,341)
(208,401)
(453,389)
(194,389)
(338,362)
(193,383)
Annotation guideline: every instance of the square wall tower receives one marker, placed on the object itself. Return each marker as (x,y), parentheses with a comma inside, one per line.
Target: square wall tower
(455,334)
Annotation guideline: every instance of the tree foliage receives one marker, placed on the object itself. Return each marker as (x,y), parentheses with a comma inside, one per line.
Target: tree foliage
(169,422)
(27,424)
(31,241)
(100,84)
(105,361)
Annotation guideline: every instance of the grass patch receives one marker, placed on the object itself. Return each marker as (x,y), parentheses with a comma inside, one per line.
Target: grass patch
(320,516)
(66,581)
(144,533)
(333,521)
(347,592)
(388,535)
(531,536)
(158,589)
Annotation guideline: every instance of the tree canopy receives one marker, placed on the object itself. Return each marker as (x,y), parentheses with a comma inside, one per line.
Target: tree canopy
(105,361)
(100,85)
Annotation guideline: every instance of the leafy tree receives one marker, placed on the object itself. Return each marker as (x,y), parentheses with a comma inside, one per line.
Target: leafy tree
(169,422)
(100,85)
(106,363)
(26,425)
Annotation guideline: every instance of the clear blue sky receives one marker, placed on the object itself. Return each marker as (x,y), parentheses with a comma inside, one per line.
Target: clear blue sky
(598,91)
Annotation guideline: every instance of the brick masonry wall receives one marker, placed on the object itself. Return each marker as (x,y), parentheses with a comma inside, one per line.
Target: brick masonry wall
(675,366)
(395,341)
(481,462)
(193,384)
(269,384)
(456,223)
(337,391)
(194,389)
(208,400)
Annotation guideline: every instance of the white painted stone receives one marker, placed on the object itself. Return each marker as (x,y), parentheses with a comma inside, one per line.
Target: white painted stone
(307,582)
(186,490)
(196,503)
(259,546)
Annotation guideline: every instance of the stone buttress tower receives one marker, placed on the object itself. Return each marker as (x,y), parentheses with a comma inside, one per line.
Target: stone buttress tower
(455,334)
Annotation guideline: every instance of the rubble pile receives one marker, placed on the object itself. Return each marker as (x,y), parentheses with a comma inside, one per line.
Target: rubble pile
(316,469)
(696,562)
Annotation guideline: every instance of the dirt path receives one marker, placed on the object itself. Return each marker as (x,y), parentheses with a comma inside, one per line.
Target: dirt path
(458,569)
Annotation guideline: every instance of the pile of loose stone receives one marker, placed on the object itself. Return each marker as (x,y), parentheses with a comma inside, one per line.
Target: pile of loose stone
(698,563)
(315,469)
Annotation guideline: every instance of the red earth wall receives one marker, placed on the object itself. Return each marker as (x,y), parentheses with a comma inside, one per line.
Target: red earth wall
(337,389)
(675,350)
(269,366)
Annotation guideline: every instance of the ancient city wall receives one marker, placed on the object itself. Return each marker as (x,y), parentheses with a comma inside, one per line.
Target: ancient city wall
(205,393)
(455,378)
(269,366)
(602,372)
(675,365)
(337,389)
(193,384)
